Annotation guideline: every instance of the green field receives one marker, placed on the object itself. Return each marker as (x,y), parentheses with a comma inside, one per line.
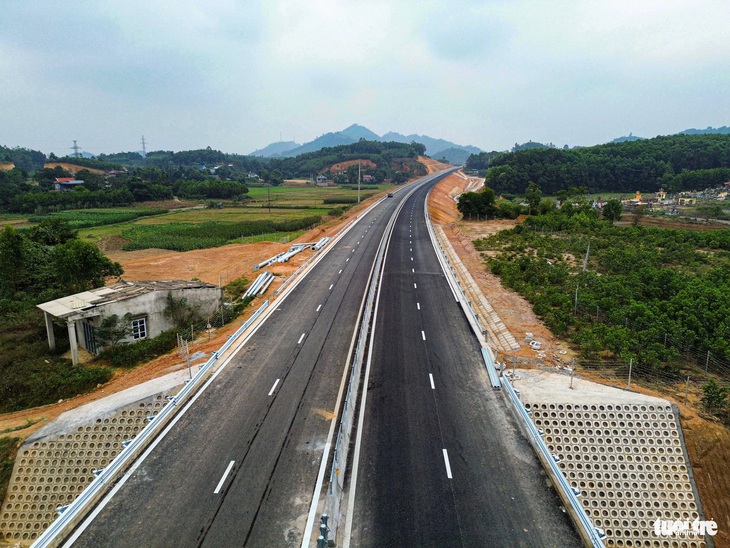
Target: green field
(86,218)
(277,214)
(305,196)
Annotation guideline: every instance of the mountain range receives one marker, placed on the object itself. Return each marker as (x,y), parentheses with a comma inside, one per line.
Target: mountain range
(435,148)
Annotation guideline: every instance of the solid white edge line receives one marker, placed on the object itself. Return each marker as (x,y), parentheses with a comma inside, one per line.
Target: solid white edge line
(274,387)
(301,338)
(448,466)
(430,376)
(317,490)
(223,478)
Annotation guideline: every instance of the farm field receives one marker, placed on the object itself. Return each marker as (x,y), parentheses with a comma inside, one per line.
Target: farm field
(307,196)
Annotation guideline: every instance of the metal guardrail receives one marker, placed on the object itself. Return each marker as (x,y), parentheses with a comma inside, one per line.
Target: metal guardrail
(491,370)
(590,533)
(73,513)
(342,443)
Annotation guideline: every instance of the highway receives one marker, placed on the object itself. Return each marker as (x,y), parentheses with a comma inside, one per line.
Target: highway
(442,461)
(239,467)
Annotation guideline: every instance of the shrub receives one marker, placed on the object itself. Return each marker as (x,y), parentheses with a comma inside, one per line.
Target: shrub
(129,355)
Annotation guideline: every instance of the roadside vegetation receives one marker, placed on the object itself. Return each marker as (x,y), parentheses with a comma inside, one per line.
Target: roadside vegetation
(37,265)
(8,449)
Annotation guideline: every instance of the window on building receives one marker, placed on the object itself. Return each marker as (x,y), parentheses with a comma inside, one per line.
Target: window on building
(139,328)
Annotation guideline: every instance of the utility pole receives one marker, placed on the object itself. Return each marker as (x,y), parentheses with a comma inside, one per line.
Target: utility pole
(358,182)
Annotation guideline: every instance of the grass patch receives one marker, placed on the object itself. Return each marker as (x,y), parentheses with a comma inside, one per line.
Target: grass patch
(8,449)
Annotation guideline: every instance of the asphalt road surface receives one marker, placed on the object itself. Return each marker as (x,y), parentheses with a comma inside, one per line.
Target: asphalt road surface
(442,461)
(239,467)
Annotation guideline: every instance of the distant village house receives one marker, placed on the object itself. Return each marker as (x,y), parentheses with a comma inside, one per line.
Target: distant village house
(62,184)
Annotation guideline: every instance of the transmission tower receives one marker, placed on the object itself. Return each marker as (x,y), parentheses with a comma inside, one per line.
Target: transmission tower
(144,147)
(76,148)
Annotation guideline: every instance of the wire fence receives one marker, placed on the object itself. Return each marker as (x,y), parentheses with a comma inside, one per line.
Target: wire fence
(683,378)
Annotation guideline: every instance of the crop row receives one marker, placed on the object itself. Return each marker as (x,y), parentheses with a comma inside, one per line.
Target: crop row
(185,237)
(96,217)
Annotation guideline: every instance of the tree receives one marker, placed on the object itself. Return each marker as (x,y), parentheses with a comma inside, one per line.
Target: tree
(80,266)
(52,231)
(180,311)
(714,398)
(12,260)
(612,210)
(533,195)
(112,331)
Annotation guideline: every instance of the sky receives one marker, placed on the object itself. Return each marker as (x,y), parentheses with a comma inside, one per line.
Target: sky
(237,75)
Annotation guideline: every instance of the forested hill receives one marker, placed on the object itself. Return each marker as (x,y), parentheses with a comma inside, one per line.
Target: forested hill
(389,157)
(677,162)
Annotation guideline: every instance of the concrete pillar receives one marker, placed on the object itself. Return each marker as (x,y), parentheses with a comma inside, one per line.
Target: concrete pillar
(74,343)
(49,331)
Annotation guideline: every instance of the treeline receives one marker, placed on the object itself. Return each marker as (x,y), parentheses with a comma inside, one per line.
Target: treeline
(641,287)
(193,174)
(39,264)
(676,163)
(23,158)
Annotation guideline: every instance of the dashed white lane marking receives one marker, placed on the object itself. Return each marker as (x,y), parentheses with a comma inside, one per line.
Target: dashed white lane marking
(347,259)
(319,308)
(340,272)
(415,286)
(448,466)
(413,270)
(223,479)
(430,376)
(331,286)
(418,305)
(301,338)
(423,334)
(274,387)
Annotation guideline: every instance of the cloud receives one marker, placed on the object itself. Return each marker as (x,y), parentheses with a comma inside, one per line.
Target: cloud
(233,74)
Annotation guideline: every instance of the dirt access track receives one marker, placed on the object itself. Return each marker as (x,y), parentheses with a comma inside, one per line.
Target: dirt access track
(708,443)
